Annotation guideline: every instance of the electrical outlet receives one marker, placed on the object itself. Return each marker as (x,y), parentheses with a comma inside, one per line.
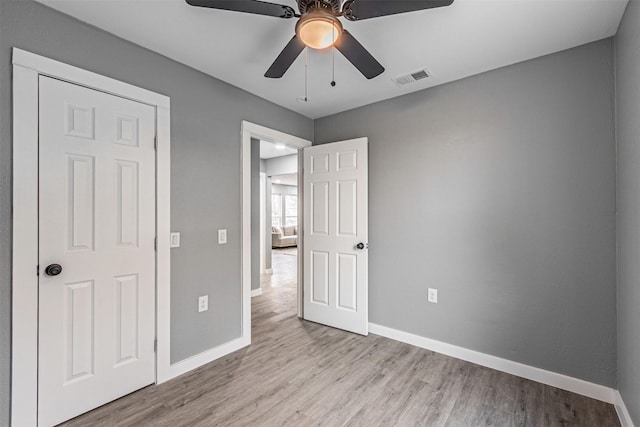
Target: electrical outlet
(203,303)
(222,236)
(432,295)
(174,240)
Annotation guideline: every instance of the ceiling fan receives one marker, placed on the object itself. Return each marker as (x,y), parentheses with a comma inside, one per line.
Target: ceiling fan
(320,28)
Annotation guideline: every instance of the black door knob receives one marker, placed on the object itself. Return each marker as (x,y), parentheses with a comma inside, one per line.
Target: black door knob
(360,245)
(53,269)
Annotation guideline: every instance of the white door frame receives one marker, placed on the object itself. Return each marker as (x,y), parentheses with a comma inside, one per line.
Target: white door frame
(252,130)
(24,350)
(263,222)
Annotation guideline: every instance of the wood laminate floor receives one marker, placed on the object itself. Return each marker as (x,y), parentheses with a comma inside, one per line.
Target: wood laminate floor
(299,373)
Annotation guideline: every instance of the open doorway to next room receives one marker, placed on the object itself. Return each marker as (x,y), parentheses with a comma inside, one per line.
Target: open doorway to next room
(279,237)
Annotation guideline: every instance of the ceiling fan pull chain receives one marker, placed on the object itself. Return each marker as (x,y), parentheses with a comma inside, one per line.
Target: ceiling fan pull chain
(306,72)
(333,61)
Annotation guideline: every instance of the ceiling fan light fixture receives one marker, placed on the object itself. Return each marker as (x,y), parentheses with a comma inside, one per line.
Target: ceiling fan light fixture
(319,30)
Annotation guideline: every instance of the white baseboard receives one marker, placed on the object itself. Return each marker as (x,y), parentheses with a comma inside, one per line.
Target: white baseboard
(256,292)
(268,271)
(553,379)
(203,358)
(623,412)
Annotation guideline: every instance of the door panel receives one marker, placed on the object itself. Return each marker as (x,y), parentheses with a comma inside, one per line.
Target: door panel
(347,208)
(81,202)
(78,322)
(97,220)
(127,313)
(335,218)
(347,279)
(320,278)
(320,208)
(127,203)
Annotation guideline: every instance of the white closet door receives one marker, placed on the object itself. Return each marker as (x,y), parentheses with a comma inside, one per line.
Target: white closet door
(97,221)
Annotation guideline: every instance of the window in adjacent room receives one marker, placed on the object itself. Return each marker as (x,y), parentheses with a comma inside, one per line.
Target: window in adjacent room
(276,210)
(290,209)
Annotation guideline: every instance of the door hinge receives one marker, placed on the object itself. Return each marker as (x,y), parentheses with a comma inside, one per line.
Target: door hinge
(155,243)
(155,345)
(37,270)
(155,142)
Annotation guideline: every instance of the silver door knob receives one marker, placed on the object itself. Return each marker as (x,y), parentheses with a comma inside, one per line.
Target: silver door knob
(360,246)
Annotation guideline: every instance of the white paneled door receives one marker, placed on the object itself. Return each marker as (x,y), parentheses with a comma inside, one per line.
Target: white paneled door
(335,235)
(96,255)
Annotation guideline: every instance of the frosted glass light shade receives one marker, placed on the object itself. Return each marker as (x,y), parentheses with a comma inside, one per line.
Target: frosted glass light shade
(319,32)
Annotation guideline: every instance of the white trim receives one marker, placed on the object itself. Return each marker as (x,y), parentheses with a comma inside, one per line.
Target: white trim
(24,335)
(163,255)
(268,271)
(622,411)
(256,292)
(553,379)
(252,130)
(263,222)
(272,135)
(300,254)
(24,355)
(69,73)
(208,356)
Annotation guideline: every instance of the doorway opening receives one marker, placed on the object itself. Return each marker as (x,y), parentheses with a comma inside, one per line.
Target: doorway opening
(256,233)
(279,225)
(333,231)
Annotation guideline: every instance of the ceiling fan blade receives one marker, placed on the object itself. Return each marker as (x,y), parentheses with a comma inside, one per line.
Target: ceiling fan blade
(358,55)
(247,6)
(289,54)
(357,10)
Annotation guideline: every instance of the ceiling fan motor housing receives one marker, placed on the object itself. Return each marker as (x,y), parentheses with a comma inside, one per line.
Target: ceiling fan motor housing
(331,6)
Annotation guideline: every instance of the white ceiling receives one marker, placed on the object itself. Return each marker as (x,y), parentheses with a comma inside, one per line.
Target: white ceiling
(466,38)
(269,150)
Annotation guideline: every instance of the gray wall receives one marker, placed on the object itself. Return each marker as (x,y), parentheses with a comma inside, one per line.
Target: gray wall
(206,116)
(499,191)
(255,213)
(628,133)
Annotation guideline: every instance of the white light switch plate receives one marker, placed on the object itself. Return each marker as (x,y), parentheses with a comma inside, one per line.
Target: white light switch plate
(203,303)
(174,240)
(222,236)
